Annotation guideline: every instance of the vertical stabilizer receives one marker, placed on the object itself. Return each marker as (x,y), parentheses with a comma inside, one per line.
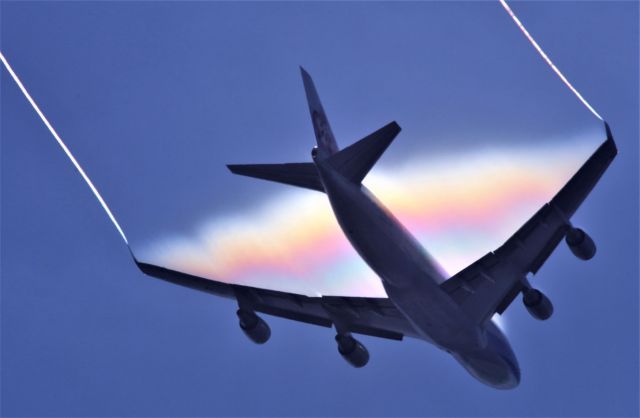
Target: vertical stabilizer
(324,137)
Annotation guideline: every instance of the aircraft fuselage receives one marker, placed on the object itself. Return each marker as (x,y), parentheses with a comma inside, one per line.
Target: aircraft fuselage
(411,280)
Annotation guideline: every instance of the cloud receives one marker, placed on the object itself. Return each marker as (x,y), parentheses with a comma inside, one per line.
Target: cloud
(459,206)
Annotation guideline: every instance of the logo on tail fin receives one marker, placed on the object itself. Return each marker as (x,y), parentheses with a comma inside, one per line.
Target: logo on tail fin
(323,132)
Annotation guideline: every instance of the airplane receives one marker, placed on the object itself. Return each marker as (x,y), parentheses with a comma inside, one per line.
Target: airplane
(453,313)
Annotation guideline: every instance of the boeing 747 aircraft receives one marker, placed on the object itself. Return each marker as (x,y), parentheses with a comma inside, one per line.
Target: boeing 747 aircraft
(452,313)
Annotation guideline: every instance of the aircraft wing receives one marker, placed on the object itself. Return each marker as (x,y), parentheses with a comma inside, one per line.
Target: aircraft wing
(490,284)
(376,317)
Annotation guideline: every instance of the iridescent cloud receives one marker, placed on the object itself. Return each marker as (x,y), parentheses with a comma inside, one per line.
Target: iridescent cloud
(460,206)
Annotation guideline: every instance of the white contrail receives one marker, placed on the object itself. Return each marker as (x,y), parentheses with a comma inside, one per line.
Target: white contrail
(546,58)
(63,146)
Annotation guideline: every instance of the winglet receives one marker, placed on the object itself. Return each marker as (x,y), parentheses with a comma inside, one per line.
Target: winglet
(611,143)
(609,134)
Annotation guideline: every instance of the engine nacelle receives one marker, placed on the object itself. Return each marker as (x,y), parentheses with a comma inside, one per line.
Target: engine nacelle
(253,326)
(538,305)
(580,244)
(352,350)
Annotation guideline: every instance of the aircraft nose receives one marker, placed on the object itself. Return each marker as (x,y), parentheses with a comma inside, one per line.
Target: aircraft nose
(513,377)
(500,346)
(492,369)
(496,364)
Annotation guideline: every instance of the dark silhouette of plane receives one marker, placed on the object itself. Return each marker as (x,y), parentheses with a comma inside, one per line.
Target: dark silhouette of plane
(454,314)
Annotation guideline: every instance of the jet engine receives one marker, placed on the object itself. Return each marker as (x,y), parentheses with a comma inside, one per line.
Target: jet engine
(253,326)
(580,244)
(352,350)
(538,305)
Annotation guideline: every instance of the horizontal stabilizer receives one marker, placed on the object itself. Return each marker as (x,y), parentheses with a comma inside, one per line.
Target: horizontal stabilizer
(296,174)
(355,161)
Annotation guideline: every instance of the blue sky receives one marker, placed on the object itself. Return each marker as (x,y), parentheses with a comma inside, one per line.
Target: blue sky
(154,98)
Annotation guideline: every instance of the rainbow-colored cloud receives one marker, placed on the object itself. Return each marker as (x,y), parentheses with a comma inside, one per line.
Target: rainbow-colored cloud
(459,206)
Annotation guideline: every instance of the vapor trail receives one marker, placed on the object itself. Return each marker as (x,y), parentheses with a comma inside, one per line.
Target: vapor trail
(546,58)
(63,146)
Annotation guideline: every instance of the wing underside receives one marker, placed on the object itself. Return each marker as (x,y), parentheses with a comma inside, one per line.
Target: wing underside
(376,317)
(491,283)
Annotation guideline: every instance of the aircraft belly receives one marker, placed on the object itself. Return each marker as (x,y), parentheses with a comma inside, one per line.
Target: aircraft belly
(383,243)
(410,280)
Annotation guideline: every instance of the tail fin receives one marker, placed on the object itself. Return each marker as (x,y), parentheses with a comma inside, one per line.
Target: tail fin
(355,161)
(324,136)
